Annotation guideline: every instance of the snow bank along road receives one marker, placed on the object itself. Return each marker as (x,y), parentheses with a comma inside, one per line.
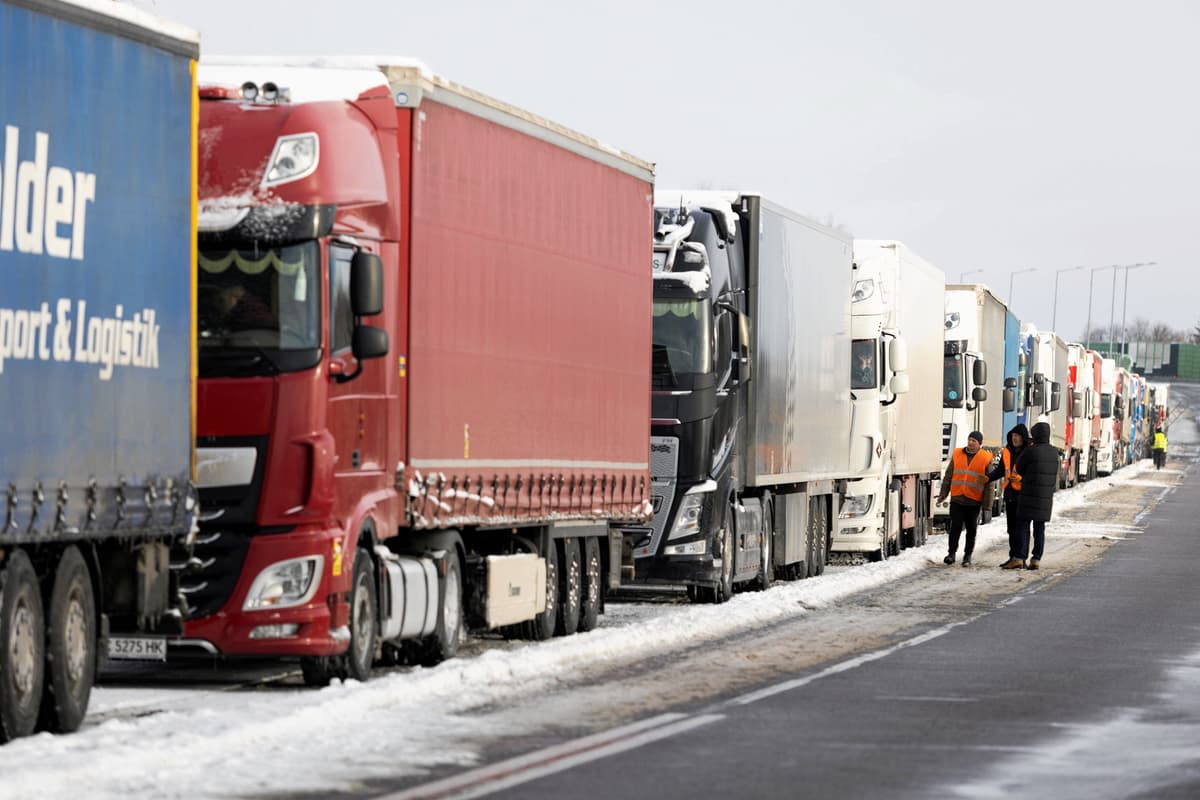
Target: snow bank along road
(426,731)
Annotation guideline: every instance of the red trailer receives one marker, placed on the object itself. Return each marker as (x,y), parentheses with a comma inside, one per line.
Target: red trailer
(424,355)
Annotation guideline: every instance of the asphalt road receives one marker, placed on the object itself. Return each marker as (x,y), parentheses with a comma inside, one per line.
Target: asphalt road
(1085,687)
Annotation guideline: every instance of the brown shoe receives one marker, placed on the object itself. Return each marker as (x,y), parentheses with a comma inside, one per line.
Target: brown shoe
(1033,563)
(1013,563)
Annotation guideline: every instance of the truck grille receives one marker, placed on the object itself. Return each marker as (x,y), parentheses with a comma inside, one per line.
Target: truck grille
(947,439)
(207,578)
(664,467)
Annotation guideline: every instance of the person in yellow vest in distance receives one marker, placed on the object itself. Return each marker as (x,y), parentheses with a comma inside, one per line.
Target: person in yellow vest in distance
(1006,471)
(1159,448)
(965,479)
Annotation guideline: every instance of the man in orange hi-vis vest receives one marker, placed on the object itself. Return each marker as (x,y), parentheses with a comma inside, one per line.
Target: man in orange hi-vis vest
(965,479)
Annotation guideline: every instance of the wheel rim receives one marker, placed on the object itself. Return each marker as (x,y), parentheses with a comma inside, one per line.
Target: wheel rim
(450,606)
(593,572)
(573,577)
(75,637)
(551,584)
(22,648)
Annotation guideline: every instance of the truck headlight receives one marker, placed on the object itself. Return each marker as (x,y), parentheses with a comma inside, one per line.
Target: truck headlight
(687,519)
(856,506)
(285,584)
(293,158)
(863,290)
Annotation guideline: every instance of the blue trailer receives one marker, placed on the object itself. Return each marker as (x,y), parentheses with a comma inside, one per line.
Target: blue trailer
(97,230)
(1013,369)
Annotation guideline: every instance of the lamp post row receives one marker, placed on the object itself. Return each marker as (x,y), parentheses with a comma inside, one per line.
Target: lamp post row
(1091,284)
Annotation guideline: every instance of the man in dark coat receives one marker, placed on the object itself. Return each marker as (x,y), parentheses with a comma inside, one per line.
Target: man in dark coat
(1006,470)
(1038,468)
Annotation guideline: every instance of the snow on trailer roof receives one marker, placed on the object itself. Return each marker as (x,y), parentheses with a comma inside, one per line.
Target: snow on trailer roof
(125,20)
(409,81)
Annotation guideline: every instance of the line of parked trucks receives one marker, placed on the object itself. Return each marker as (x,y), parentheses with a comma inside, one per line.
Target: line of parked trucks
(337,360)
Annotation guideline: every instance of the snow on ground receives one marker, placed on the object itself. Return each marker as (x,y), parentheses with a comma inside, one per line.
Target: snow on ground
(276,740)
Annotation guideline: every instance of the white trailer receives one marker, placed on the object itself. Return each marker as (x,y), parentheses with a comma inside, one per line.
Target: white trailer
(1106,450)
(1048,378)
(974,343)
(896,393)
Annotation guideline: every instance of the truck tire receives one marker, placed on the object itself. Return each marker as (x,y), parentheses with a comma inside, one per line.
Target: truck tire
(593,589)
(22,647)
(766,567)
(70,646)
(364,619)
(447,633)
(541,627)
(723,591)
(570,586)
(821,537)
(356,661)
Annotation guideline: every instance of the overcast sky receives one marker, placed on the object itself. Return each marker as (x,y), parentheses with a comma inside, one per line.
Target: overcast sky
(992,137)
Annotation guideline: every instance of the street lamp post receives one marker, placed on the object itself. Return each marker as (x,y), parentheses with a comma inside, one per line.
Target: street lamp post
(1125,298)
(1054,313)
(1091,280)
(1010,282)
(962,278)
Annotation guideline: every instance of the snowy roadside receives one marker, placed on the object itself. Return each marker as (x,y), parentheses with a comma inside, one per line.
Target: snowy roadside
(278,740)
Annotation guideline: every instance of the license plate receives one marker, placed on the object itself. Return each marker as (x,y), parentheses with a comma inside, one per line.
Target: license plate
(137,648)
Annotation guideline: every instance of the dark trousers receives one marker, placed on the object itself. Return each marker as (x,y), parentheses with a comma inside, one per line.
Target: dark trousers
(963,516)
(1039,539)
(1160,458)
(1013,520)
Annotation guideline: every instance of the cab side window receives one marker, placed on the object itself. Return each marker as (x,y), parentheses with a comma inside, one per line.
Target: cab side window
(341,320)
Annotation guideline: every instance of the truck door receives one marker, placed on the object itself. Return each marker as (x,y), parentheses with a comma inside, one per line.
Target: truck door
(357,417)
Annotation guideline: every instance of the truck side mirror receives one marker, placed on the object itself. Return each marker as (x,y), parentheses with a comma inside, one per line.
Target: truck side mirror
(1010,383)
(1055,395)
(979,394)
(898,355)
(899,383)
(366,284)
(1010,399)
(368,341)
(1077,407)
(979,372)
(742,357)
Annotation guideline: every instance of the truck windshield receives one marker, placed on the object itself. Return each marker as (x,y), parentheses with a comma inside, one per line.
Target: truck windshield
(1105,406)
(682,340)
(258,309)
(952,382)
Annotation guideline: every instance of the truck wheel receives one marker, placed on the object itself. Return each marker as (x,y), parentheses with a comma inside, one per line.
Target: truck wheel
(570,586)
(22,647)
(70,646)
(724,590)
(809,568)
(766,567)
(592,592)
(821,537)
(364,613)
(443,643)
(542,626)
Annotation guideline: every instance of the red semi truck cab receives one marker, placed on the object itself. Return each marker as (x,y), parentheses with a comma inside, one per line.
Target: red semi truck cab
(423,355)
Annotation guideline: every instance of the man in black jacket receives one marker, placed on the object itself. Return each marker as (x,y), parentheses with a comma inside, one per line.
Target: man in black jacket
(1018,439)
(1038,470)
